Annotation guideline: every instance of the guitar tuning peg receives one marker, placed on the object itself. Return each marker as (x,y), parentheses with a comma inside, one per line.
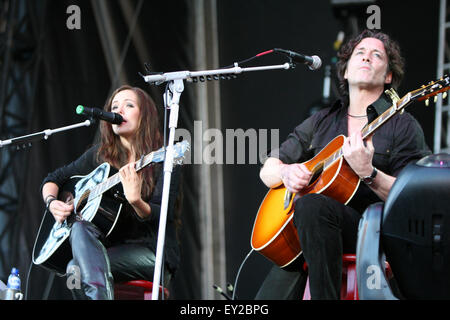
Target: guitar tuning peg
(444,95)
(435,99)
(427,102)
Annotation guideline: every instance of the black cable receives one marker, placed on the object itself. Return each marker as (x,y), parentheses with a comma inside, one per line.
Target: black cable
(28,279)
(31,264)
(250,59)
(238,273)
(219,290)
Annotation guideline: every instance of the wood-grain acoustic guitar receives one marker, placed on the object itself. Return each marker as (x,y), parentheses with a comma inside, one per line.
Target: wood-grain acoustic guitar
(274,234)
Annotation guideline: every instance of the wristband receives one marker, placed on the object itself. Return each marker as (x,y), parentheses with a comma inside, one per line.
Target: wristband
(369,179)
(48,201)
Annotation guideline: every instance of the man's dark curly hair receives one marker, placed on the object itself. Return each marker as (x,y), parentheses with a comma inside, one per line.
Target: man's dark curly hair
(395,59)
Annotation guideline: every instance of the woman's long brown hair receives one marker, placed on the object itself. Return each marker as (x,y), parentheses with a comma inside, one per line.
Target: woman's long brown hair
(148,138)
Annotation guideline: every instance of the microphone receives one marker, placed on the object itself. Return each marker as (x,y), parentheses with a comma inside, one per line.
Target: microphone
(97,113)
(313,62)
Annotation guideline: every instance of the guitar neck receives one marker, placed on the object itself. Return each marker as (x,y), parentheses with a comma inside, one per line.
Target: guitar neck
(115,178)
(423,93)
(374,125)
(385,116)
(156,156)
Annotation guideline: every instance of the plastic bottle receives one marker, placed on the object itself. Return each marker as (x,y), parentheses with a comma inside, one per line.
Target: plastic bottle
(13,286)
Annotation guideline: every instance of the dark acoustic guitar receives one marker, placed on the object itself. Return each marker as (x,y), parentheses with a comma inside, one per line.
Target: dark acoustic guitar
(91,203)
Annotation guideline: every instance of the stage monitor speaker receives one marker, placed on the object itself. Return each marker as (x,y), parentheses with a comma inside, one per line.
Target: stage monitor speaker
(415,230)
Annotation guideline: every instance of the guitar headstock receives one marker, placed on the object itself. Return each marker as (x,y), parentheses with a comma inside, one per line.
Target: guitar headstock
(432,90)
(179,149)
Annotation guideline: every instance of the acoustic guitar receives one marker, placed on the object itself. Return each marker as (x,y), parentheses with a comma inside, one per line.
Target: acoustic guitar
(95,201)
(274,234)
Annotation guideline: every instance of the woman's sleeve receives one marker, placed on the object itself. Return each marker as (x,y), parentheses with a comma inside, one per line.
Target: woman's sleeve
(81,166)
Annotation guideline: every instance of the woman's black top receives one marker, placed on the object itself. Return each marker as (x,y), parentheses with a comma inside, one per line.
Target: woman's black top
(130,228)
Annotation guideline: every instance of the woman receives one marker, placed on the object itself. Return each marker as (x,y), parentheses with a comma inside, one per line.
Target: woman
(129,251)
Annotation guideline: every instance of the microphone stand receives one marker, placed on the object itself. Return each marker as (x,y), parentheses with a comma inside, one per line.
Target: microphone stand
(176,87)
(43,134)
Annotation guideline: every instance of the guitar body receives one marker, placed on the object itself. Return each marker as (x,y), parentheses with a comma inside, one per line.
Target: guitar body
(274,234)
(52,247)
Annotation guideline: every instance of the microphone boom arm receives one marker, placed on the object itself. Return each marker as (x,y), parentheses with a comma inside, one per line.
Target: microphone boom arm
(190,75)
(43,134)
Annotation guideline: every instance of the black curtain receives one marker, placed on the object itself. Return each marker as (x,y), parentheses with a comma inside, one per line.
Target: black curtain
(74,71)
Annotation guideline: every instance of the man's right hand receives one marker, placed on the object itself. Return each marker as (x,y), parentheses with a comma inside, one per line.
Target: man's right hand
(60,210)
(295,176)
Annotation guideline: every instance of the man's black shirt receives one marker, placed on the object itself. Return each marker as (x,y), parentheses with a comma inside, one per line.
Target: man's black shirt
(399,141)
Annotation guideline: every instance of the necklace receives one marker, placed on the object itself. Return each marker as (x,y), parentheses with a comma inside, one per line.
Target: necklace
(352,116)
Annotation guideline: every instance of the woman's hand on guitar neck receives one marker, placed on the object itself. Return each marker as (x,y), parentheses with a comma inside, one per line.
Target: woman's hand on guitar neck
(132,184)
(295,176)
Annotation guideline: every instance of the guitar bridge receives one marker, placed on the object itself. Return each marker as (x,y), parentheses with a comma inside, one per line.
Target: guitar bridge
(119,196)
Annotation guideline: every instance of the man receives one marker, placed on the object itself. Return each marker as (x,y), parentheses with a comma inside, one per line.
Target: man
(367,66)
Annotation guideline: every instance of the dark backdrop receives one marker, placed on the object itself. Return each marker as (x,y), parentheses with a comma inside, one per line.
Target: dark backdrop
(74,71)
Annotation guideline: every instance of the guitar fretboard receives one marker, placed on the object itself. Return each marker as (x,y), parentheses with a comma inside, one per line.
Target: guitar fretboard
(115,179)
(374,125)
(156,156)
(385,116)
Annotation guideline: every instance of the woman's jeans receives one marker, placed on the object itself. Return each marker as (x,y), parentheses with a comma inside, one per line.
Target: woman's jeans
(100,267)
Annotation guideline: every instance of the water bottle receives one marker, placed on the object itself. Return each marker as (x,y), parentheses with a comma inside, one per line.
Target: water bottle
(13,286)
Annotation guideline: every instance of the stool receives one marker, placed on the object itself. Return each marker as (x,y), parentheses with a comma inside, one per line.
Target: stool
(137,290)
(349,287)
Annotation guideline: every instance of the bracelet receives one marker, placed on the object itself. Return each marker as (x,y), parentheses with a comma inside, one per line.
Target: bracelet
(46,198)
(47,201)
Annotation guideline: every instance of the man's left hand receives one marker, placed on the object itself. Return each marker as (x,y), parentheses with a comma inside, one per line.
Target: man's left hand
(359,155)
